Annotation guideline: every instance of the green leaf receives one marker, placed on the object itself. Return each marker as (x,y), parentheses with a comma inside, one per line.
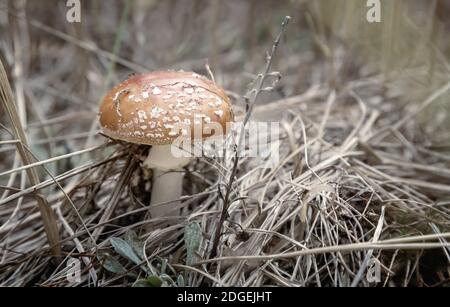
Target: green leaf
(166,278)
(163,265)
(141,283)
(192,239)
(133,240)
(125,250)
(152,281)
(113,265)
(180,281)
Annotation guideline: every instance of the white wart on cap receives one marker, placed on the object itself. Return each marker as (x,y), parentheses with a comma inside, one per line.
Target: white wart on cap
(144,109)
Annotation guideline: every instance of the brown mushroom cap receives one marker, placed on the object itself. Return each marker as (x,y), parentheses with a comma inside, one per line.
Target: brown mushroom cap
(144,109)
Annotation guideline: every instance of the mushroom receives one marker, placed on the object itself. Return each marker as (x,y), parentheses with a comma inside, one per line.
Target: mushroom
(159,109)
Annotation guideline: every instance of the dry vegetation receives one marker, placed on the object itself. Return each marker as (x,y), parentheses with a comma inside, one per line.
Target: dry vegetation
(364,157)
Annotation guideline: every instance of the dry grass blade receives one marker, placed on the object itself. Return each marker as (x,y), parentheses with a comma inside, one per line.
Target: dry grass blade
(333,249)
(54,159)
(48,216)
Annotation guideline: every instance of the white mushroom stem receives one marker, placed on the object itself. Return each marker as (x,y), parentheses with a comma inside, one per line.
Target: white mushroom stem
(167,184)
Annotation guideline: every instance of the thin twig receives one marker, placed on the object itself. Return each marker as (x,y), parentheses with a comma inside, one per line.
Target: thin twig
(252,103)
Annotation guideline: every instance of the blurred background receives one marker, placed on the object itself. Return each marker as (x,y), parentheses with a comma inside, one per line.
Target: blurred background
(74,63)
(65,68)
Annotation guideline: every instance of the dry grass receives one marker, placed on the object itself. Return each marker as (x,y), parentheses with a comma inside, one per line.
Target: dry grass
(363,173)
